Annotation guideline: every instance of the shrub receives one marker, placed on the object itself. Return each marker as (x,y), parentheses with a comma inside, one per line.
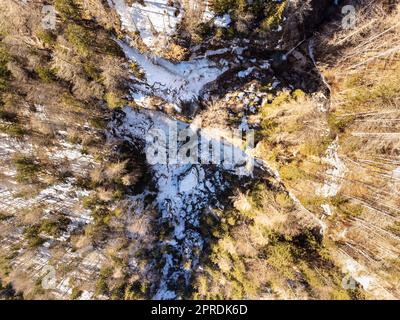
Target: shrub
(284,200)
(76,293)
(79,37)
(69,101)
(106,45)
(54,227)
(47,37)
(137,290)
(4,216)
(27,168)
(339,295)
(274,15)
(221,7)
(281,258)
(311,276)
(45,73)
(7,292)
(90,202)
(281,98)
(308,243)
(91,72)
(316,147)
(202,31)
(101,284)
(291,172)
(137,72)
(32,236)
(269,127)
(8,116)
(4,72)
(345,206)
(395,228)
(298,95)
(340,123)
(98,123)
(13,129)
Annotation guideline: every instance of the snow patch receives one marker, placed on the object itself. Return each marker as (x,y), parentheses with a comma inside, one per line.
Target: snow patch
(155,20)
(336,172)
(246,73)
(189,182)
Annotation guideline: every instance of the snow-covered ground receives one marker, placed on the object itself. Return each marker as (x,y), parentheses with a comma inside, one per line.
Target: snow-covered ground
(174,82)
(185,190)
(359,273)
(157,20)
(335,175)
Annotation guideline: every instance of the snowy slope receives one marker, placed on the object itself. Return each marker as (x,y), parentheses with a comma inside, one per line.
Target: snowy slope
(155,21)
(184,191)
